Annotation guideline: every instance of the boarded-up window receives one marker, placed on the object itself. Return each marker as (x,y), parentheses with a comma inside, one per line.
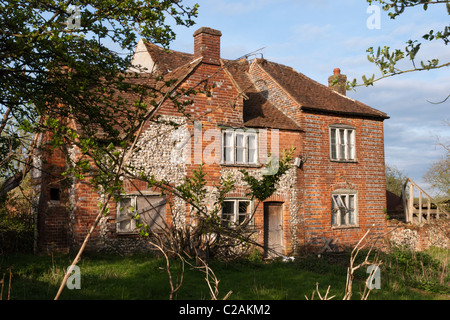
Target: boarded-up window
(149,210)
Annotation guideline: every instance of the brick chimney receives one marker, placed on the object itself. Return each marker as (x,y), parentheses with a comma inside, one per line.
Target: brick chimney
(207,45)
(338,82)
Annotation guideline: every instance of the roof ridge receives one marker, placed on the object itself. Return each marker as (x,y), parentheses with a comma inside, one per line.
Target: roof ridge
(325,102)
(167,60)
(164,49)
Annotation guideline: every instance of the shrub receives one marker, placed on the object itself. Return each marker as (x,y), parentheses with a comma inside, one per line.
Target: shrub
(418,269)
(16,223)
(16,233)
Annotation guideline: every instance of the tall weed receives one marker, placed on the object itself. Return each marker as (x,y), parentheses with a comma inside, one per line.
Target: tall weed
(427,270)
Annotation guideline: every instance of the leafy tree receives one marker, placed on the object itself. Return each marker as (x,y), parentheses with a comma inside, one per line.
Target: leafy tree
(46,63)
(71,86)
(388,61)
(438,174)
(394,180)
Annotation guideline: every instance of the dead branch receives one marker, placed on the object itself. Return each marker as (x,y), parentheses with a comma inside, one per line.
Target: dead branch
(83,246)
(213,282)
(173,289)
(351,269)
(5,119)
(325,297)
(15,180)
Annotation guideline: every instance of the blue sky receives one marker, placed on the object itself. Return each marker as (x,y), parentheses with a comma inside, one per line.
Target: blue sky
(314,37)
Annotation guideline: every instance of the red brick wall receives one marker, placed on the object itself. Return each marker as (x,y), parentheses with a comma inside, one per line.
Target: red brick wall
(223,107)
(276,94)
(322,176)
(306,192)
(53,227)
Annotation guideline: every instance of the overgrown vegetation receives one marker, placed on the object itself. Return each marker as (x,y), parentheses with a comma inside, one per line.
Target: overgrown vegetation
(422,270)
(404,276)
(16,221)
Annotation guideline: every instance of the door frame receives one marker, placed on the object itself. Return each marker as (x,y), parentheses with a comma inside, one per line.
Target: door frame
(266,234)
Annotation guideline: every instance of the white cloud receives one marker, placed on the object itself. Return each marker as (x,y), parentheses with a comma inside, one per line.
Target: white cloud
(308,32)
(236,7)
(314,37)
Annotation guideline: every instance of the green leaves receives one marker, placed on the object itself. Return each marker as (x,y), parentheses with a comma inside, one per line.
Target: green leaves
(51,72)
(397,7)
(384,59)
(263,188)
(390,62)
(440,35)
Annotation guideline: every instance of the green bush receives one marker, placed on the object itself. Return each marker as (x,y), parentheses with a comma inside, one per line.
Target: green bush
(421,270)
(16,232)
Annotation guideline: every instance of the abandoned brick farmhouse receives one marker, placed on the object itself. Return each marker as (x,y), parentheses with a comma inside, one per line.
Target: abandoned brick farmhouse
(256,107)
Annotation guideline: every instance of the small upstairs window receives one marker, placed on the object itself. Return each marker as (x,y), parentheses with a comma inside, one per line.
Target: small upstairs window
(239,147)
(342,143)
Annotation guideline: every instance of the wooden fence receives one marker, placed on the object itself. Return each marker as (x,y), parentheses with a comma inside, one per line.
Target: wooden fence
(424,209)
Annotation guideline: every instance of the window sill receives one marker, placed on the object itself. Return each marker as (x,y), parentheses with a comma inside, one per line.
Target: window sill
(242,165)
(344,161)
(54,203)
(355,226)
(127,233)
(250,229)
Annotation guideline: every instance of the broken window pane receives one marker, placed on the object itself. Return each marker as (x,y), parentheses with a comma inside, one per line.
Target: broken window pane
(124,215)
(227,213)
(151,210)
(343,208)
(334,209)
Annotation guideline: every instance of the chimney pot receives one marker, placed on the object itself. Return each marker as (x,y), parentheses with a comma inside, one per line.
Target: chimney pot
(338,82)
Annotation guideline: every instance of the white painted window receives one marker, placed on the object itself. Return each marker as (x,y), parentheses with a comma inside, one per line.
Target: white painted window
(235,212)
(342,144)
(150,210)
(239,147)
(344,208)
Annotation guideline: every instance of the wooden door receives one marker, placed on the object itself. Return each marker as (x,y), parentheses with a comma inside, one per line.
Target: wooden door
(273,228)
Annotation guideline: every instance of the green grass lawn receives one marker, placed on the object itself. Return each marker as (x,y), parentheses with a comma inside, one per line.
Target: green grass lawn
(143,277)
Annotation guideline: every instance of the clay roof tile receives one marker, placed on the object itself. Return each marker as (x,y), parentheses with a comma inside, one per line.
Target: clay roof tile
(311,95)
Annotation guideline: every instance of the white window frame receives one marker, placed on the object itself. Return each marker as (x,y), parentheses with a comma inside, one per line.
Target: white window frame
(231,149)
(342,143)
(344,208)
(122,215)
(234,221)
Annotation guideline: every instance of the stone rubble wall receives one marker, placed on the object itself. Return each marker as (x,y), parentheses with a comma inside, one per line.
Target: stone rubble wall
(420,237)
